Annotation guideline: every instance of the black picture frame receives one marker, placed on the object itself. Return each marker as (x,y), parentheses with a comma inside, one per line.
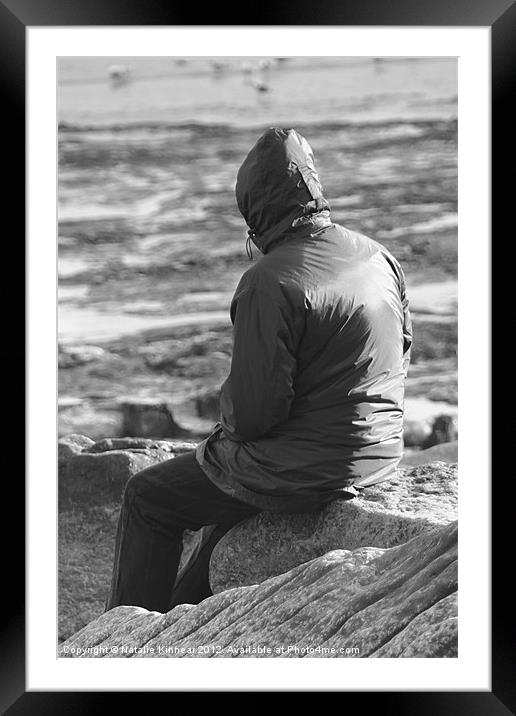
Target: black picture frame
(15,17)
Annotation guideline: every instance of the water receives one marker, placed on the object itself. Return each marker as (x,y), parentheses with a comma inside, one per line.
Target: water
(301,91)
(147,168)
(78,325)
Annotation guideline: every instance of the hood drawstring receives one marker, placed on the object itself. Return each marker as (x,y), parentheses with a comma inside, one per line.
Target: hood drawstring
(248,246)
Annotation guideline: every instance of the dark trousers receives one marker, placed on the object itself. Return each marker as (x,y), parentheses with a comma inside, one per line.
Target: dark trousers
(159,504)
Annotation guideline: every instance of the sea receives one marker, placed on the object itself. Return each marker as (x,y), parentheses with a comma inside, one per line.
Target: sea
(149,148)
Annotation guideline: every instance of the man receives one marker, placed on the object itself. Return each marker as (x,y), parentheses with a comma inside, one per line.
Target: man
(312,409)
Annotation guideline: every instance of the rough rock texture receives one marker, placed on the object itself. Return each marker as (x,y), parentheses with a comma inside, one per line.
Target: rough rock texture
(375,575)
(386,515)
(96,472)
(71,445)
(368,602)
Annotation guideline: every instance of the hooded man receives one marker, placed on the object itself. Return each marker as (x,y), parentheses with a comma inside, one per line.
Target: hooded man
(312,409)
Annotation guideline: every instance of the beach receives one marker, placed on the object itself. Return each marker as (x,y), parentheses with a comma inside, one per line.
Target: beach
(151,244)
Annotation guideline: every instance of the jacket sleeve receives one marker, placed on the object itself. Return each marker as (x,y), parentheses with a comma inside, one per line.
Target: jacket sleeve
(407,320)
(407,323)
(267,328)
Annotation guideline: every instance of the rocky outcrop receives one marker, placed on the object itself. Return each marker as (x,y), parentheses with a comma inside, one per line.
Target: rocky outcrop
(444,430)
(96,472)
(370,577)
(72,445)
(429,431)
(366,602)
(386,515)
(149,419)
(207,404)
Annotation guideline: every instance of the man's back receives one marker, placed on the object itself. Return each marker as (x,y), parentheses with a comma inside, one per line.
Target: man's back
(314,401)
(350,357)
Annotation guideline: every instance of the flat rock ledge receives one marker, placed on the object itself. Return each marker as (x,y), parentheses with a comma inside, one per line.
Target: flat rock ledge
(367,602)
(389,514)
(95,472)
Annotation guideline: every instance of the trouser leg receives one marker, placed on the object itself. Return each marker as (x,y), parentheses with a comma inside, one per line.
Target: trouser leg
(193,580)
(159,503)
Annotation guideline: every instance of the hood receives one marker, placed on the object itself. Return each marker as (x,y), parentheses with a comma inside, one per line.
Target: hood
(277,186)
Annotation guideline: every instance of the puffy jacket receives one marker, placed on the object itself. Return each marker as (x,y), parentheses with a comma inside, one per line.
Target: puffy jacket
(313,403)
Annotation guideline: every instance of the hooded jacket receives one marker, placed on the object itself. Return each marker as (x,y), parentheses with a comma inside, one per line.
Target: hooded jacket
(313,404)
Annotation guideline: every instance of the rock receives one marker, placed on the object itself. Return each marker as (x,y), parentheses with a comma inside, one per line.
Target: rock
(71,445)
(428,422)
(444,430)
(149,419)
(445,452)
(386,515)
(368,602)
(71,356)
(99,478)
(435,628)
(207,404)
(98,473)
(138,444)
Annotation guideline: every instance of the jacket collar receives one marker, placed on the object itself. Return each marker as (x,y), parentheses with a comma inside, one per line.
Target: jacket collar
(303,224)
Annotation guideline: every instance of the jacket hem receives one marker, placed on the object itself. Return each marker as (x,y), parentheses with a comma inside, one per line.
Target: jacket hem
(284,503)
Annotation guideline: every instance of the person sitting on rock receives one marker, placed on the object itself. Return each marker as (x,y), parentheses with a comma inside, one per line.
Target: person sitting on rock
(312,409)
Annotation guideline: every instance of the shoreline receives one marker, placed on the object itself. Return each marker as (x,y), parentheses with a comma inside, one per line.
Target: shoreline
(83,325)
